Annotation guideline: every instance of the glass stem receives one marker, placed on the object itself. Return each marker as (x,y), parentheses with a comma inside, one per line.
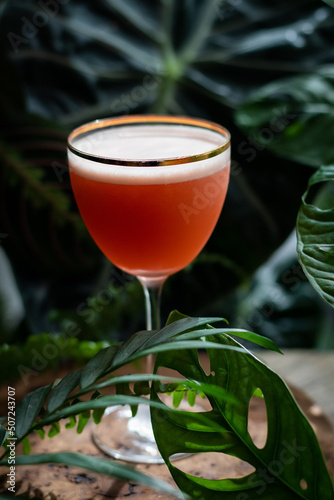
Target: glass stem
(152,290)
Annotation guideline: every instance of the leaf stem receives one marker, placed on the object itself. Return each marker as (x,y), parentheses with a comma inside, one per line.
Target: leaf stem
(175,64)
(200,32)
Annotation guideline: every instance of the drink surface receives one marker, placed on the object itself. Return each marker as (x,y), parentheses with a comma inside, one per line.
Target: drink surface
(150,221)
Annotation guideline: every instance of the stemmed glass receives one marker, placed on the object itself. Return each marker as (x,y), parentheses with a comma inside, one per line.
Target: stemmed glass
(150,189)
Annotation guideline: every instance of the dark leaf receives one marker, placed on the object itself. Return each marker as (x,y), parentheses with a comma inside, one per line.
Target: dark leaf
(83,421)
(99,364)
(26,446)
(101,466)
(294,117)
(291,456)
(176,327)
(315,237)
(38,208)
(62,390)
(130,346)
(199,58)
(97,415)
(41,433)
(28,409)
(72,422)
(143,340)
(255,338)
(3,433)
(54,430)
(244,334)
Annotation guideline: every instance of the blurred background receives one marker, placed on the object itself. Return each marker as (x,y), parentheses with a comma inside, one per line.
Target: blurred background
(263,70)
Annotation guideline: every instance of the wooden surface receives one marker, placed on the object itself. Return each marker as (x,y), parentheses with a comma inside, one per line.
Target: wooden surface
(309,371)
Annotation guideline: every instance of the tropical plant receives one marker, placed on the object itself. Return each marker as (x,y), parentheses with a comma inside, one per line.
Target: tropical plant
(80,60)
(290,464)
(265,72)
(309,100)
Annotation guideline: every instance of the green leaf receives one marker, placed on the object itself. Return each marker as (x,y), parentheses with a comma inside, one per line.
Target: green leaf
(256,339)
(41,433)
(72,422)
(291,456)
(147,63)
(62,390)
(177,327)
(3,433)
(95,367)
(28,409)
(130,346)
(191,397)
(315,238)
(101,466)
(244,334)
(84,418)
(10,497)
(142,341)
(139,16)
(97,415)
(54,429)
(294,117)
(178,395)
(258,393)
(141,388)
(26,446)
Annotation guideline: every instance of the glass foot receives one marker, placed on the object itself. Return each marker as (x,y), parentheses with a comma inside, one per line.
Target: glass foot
(128,438)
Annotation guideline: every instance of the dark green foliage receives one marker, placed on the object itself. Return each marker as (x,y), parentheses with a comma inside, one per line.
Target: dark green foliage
(201,58)
(103,466)
(290,458)
(33,356)
(315,230)
(290,455)
(29,408)
(308,104)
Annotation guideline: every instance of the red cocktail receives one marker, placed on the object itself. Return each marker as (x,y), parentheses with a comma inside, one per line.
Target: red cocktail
(150,190)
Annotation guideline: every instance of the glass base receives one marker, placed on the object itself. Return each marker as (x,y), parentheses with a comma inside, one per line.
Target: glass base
(128,438)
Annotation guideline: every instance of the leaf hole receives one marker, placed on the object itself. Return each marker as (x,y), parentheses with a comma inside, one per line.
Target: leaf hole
(257,423)
(181,398)
(303,484)
(215,466)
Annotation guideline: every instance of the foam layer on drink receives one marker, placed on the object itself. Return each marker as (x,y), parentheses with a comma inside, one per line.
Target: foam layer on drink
(148,142)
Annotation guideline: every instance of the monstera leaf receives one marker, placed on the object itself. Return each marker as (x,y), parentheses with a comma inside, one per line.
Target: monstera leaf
(315,231)
(77,61)
(308,102)
(288,465)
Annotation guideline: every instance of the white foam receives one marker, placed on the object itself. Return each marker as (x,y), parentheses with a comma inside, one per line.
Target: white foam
(148,142)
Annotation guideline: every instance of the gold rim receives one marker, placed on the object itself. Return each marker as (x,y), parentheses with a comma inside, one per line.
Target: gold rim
(147,119)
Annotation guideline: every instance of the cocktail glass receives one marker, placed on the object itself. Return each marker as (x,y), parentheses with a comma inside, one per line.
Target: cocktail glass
(150,189)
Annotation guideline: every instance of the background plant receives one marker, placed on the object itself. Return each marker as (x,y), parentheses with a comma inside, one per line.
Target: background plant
(203,58)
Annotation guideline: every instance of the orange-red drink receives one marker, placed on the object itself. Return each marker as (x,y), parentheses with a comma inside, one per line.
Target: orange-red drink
(150,190)
(150,220)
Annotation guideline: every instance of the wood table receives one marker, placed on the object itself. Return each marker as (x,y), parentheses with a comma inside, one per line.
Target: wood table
(309,370)
(310,373)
